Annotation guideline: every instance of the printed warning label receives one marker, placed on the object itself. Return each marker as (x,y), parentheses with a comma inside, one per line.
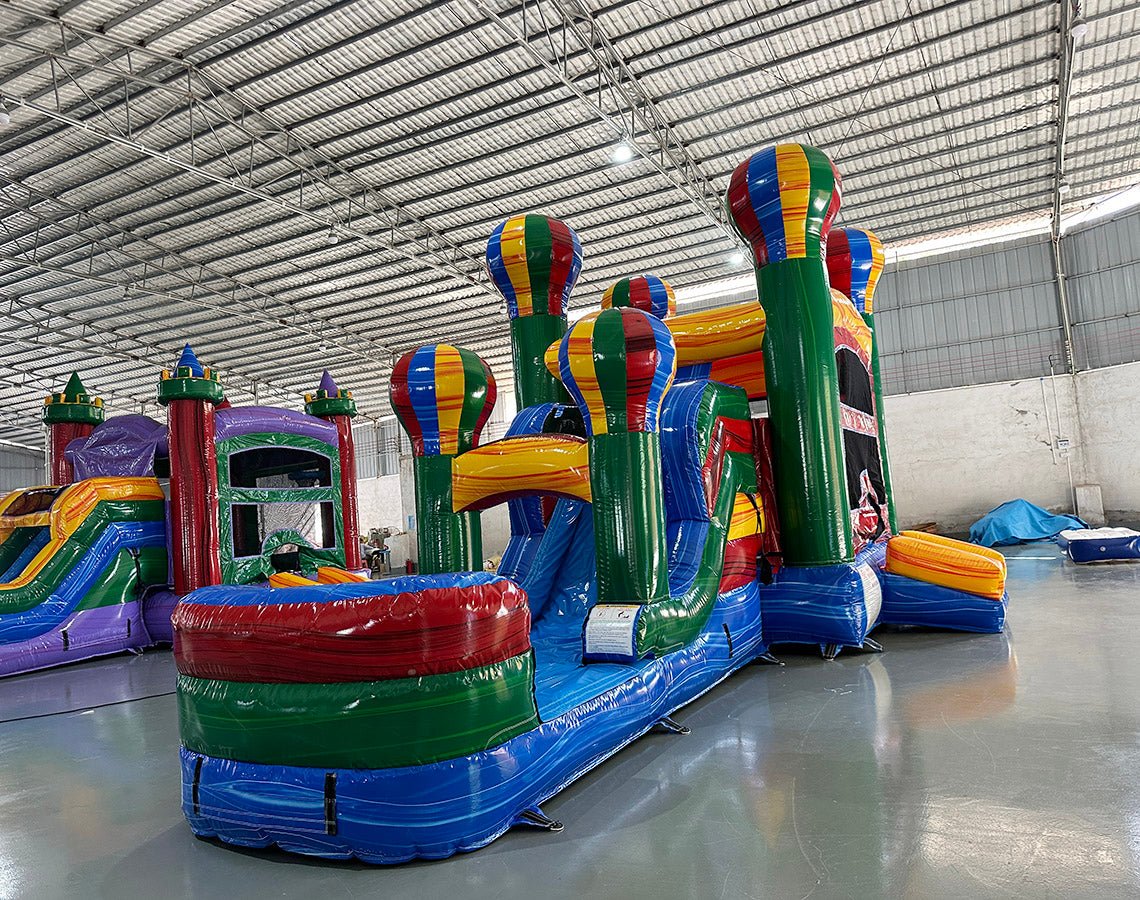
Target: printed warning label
(611,631)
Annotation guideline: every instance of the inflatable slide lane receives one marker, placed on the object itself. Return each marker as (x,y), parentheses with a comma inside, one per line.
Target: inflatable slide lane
(75,563)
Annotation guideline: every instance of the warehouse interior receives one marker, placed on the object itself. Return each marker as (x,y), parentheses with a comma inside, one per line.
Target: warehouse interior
(277,204)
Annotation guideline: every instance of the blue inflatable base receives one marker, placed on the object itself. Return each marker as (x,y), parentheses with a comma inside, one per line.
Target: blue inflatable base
(910,602)
(436,810)
(821,605)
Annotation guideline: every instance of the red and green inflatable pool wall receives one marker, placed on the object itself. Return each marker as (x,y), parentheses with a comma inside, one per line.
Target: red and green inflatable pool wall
(355,676)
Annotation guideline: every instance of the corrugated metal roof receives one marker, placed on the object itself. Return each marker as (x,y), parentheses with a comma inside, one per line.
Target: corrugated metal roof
(173,166)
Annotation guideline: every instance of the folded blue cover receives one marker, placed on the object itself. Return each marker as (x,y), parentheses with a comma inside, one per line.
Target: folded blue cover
(1018,521)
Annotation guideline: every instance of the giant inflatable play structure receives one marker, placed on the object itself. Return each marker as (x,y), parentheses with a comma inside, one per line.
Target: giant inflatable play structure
(685,489)
(139,513)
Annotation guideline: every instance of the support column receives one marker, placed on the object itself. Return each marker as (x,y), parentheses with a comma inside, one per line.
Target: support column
(71,414)
(189,392)
(336,406)
(442,396)
(534,262)
(855,260)
(783,200)
(618,365)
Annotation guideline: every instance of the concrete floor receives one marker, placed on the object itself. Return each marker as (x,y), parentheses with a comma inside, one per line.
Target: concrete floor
(951,765)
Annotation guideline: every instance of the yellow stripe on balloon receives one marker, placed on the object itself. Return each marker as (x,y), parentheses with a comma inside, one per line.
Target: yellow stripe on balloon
(581,354)
(878,260)
(449,396)
(512,246)
(794,175)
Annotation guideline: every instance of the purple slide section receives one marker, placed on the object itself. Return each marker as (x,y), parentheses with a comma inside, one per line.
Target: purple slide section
(89,633)
(122,446)
(239,420)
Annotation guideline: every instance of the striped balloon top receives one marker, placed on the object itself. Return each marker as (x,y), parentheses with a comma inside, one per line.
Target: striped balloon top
(443,397)
(534,262)
(645,292)
(618,364)
(783,200)
(855,260)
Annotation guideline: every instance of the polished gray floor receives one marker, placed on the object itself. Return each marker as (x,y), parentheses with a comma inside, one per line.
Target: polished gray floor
(949,766)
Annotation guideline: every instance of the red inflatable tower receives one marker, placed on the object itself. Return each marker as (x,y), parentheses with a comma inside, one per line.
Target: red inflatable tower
(190,394)
(69,415)
(334,405)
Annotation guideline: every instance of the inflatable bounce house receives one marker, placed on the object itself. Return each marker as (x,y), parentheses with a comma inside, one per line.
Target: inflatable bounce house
(94,563)
(663,535)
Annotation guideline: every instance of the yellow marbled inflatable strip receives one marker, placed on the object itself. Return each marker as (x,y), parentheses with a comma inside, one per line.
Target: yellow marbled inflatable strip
(878,260)
(512,247)
(538,463)
(794,175)
(449,396)
(289,580)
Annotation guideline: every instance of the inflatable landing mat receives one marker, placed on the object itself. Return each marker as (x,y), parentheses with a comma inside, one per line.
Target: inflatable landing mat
(1088,545)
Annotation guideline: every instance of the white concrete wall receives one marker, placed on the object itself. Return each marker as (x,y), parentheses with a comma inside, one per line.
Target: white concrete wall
(957,453)
(1110,437)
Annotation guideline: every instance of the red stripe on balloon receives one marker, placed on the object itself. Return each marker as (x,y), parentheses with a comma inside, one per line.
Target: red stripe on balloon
(740,206)
(401,399)
(839,261)
(640,363)
(561,261)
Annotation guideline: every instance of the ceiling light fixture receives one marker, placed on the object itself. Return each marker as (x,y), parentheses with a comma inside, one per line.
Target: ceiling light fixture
(333,238)
(1064,187)
(736,258)
(5,116)
(623,151)
(1079,28)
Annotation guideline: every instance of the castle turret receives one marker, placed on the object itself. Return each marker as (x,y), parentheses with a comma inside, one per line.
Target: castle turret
(534,262)
(336,406)
(71,414)
(189,392)
(443,396)
(783,200)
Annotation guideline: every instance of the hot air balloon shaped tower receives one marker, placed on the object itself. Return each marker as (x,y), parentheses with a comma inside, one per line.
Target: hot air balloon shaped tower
(443,397)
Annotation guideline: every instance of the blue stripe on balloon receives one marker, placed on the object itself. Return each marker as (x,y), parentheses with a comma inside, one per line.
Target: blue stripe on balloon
(421,392)
(664,374)
(862,260)
(497,269)
(764,192)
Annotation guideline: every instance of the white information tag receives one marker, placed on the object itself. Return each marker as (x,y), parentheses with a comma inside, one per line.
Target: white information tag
(872,593)
(611,630)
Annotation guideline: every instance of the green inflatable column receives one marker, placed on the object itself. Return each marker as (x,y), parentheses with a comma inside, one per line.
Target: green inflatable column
(783,200)
(534,262)
(855,260)
(618,365)
(443,397)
